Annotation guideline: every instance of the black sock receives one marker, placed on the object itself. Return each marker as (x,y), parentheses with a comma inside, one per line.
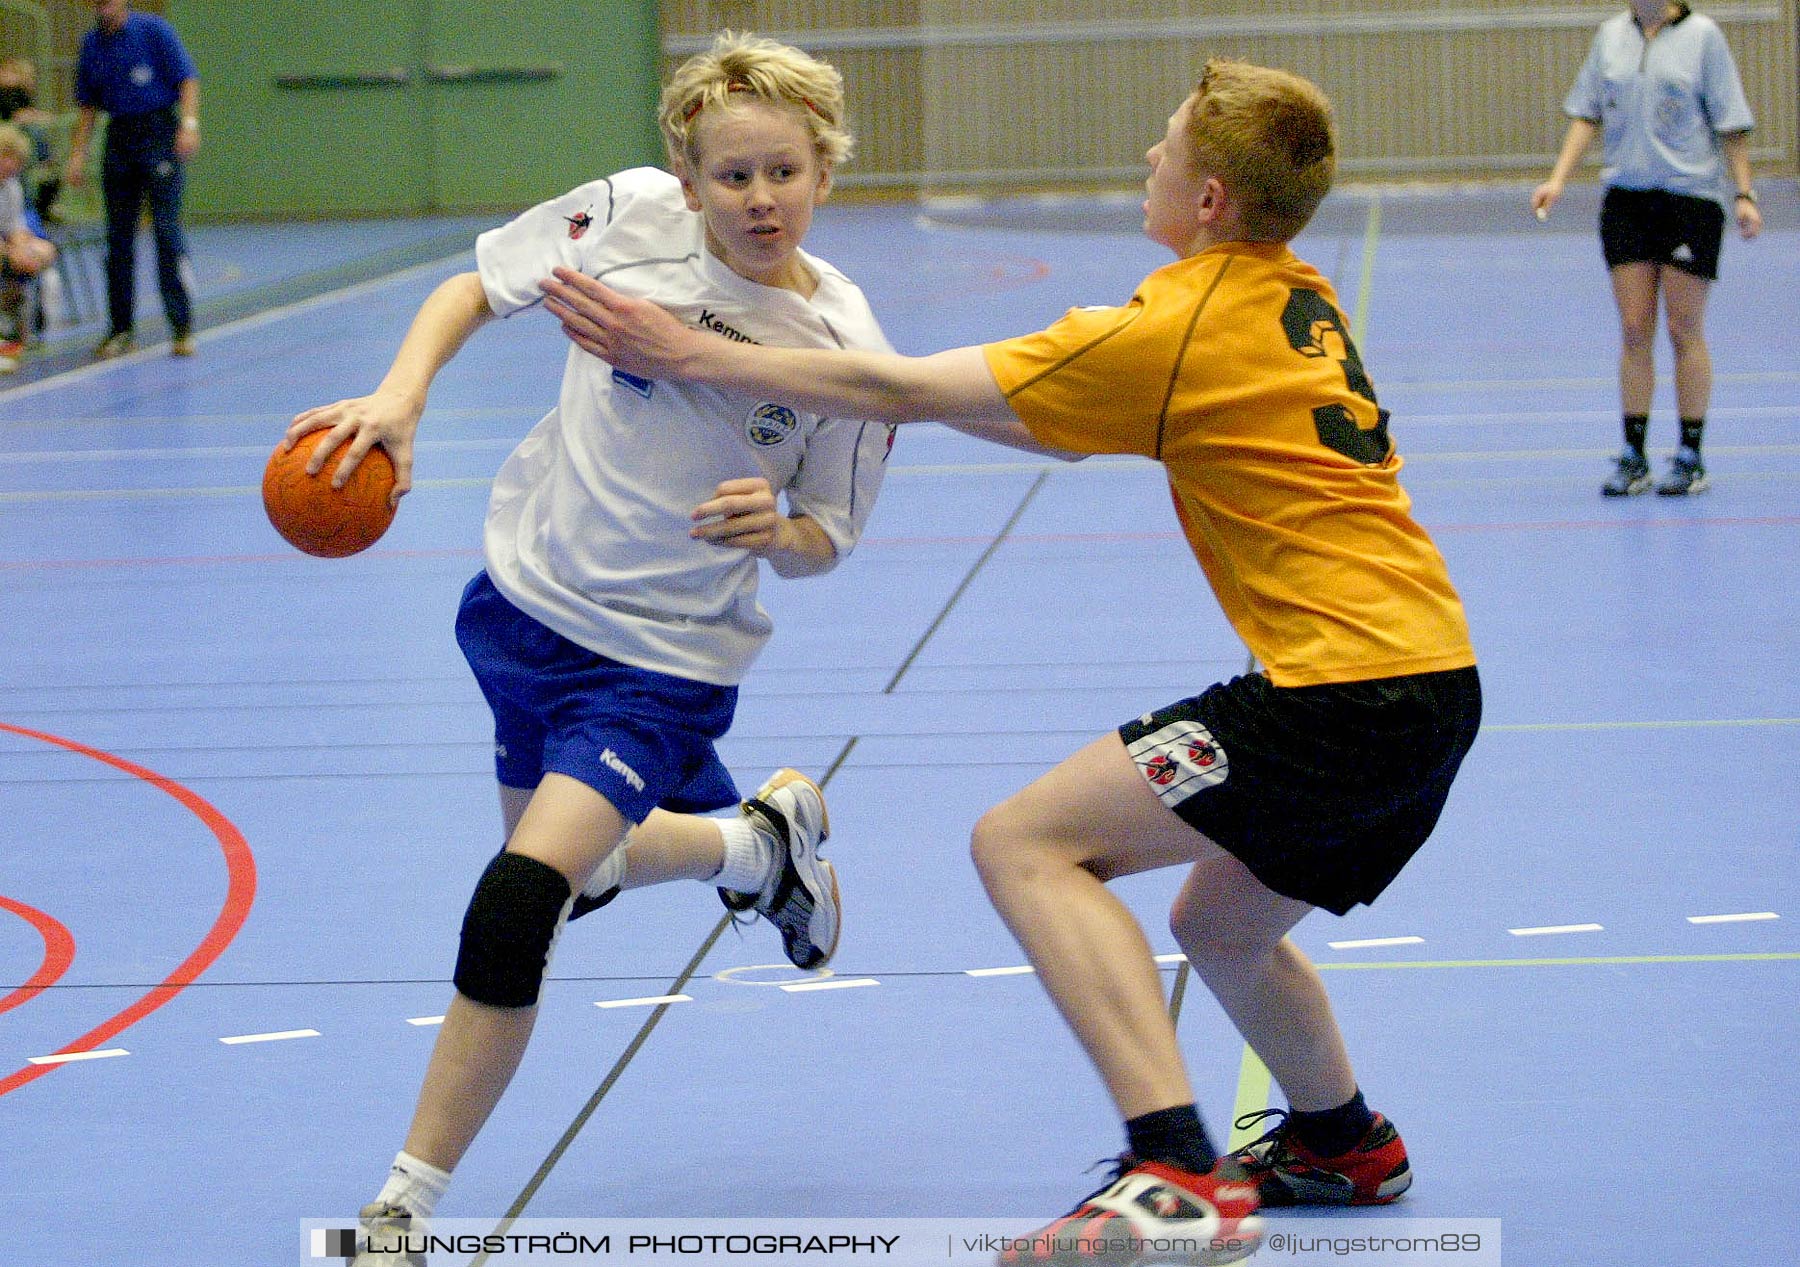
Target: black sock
(1636,426)
(1691,429)
(1331,1132)
(1174,1136)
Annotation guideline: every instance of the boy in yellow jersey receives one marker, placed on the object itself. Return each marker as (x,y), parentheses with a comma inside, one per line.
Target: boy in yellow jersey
(1310,783)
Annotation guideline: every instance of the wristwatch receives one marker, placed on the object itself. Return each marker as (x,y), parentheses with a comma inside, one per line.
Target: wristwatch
(1747,195)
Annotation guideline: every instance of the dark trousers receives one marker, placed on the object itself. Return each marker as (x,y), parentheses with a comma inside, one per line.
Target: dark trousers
(145,170)
(12,305)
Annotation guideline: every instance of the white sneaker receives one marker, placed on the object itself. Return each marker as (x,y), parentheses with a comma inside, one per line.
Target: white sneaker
(801,897)
(381,1237)
(114,346)
(1151,1213)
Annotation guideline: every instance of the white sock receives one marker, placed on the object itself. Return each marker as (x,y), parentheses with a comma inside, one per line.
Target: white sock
(749,856)
(610,874)
(414,1185)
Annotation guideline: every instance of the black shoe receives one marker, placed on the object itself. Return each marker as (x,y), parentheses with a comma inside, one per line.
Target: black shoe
(1629,478)
(1687,474)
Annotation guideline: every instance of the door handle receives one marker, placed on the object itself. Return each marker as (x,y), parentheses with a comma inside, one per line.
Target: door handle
(452,74)
(393,77)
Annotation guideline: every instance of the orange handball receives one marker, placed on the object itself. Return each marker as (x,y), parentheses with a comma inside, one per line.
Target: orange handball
(322,520)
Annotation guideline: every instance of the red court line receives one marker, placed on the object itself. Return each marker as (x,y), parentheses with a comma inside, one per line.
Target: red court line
(59,952)
(240,893)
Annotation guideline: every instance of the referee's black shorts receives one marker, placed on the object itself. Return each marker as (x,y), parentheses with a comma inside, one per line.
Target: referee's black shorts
(1651,226)
(1323,792)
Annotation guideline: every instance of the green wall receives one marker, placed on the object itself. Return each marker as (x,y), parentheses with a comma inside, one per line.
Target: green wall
(412,107)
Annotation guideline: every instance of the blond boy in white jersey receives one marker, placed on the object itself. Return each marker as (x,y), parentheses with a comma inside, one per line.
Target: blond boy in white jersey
(617,611)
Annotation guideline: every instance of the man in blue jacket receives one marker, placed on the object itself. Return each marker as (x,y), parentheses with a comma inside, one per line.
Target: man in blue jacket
(133,67)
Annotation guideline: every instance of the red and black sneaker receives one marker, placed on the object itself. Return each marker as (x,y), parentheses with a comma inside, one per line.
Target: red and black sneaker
(1150,1213)
(1287,1172)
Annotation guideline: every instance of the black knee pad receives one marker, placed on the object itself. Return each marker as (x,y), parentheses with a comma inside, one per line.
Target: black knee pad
(511,926)
(585,905)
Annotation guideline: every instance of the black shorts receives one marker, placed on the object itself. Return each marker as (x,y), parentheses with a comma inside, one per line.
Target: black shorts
(1323,792)
(1650,226)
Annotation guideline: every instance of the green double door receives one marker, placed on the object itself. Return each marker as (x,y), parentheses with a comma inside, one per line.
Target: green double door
(345,107)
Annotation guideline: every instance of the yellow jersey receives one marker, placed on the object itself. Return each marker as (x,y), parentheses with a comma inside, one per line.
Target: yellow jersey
(1236,370)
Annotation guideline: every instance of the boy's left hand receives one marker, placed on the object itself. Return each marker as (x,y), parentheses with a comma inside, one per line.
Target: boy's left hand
(742,513)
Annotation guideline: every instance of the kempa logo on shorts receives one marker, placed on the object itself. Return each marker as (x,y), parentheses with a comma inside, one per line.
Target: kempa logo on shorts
(1683,254)
(769,424)
(610,760)
(1179,760)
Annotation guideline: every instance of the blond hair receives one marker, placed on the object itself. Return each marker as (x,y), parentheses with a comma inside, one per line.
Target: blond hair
(766,71)
(14,143)
(1268,136)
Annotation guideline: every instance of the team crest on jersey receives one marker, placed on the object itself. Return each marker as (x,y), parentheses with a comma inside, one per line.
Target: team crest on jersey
(769,424)
(579,223)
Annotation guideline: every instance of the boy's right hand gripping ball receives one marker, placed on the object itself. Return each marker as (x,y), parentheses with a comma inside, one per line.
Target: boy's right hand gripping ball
(322,520)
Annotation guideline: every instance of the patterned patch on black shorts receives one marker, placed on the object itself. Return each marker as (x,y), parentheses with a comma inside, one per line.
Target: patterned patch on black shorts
(1179,759)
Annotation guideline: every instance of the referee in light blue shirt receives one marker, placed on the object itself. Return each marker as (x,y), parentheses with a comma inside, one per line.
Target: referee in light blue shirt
(1659,82)
(132,67)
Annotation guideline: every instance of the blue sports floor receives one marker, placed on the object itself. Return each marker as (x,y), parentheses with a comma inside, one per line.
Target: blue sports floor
(244,793)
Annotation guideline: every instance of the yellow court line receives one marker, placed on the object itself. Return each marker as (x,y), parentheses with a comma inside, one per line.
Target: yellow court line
(1255,1082)
(1254,1079)
(1254,1085)
(1573,961)
(1359,321)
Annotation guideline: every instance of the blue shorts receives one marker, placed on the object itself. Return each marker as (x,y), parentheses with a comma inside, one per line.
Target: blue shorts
(642,739)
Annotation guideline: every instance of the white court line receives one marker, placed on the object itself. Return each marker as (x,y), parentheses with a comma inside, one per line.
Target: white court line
(1745,918)
(648,1001)
(220,451)
(1582,455)
(1556,928)
(1171,959)
(275,1037)
(1021,970)
(836,983)
(1367,942)
(424,1020)
(69,1057)
(267,316)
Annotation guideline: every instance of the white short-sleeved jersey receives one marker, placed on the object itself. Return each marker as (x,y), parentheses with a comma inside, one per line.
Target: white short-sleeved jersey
(587,528)
(1661,104)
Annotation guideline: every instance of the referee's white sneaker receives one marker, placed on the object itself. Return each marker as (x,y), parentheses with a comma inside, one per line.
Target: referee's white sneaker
(801,895)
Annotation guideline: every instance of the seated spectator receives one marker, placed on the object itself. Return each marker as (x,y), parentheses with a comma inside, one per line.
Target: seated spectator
(23,253)
(18,96)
